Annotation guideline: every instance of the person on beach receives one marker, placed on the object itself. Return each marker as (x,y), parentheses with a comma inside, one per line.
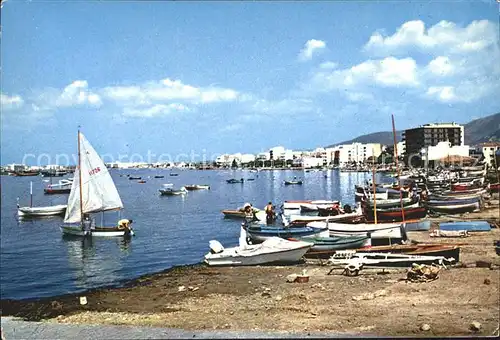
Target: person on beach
(269,213)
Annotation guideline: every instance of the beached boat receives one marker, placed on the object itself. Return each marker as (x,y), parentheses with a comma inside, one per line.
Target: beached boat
(62,187)
(324,247)
(191,187)
(424,249)
(357,260)
(392,203)
(295,220)
(395,214)
(465,225)
(314,207)
(422,225)
(33,212)
(260,233)
(274,250)
(297,204)
(169,190)
(454,207)
(92,191)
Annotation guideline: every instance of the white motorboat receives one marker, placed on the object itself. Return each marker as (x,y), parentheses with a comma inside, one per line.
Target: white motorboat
(92,191)
(168,190)
(274,250)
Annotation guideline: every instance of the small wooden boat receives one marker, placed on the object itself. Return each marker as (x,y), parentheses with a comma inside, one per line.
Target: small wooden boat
(26,173)
(324,247)
(297,204)
(33,212)
(174,174)
(298,220)
(293,182)
(466,225)
(233,181)
(358,260)
(454,207)
(423,225)
(260,233)
(313,207)
(274,250)
(159,176)
(391,203)
(424,249)
(191,187)
(239,213)
(134,178)
(395,214)
(141,181)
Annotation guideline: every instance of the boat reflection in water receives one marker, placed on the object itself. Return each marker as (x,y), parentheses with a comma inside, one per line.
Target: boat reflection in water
(97,261)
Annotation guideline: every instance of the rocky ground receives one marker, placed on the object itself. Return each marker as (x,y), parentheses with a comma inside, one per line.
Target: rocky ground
(462,301)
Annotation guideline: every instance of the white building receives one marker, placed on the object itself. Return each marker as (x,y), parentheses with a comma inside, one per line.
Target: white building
(443,150)
(489,150)
(401,148)
(247,158)
(356,152)
(312,162)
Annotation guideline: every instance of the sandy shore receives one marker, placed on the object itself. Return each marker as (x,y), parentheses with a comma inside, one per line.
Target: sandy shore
(260,299)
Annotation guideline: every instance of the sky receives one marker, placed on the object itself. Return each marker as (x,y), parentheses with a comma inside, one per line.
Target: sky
(164,79)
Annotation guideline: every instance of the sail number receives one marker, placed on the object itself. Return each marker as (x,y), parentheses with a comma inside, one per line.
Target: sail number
(94,171)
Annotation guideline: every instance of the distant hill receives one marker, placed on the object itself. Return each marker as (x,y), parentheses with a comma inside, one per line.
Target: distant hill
(477,131)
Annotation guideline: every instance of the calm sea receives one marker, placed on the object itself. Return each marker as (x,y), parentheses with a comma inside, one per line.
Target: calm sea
(37,261)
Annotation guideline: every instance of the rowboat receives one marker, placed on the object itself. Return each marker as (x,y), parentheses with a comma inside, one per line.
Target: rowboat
(466,225)
(294,220)
(423,225)
(426,249)
(234,181)
(274,250)
(63,187)
(297,204)
(191,187)
(292,182)
(324,247)
(396,214)
(355,261)
(260,233)
(311,207)
(41,211)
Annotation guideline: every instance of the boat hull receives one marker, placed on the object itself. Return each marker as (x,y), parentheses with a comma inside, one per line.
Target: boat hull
(76,230)
(228,258)
(466,225)
(41,211)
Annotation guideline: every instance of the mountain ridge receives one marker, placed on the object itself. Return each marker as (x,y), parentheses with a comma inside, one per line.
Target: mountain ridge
(476,131)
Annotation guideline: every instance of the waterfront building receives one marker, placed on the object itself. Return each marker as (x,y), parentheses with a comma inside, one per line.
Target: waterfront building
(354,153)
(489,150)
(428,135)
(444,150)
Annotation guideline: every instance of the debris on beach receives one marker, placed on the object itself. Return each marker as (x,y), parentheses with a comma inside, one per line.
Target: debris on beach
(422,273)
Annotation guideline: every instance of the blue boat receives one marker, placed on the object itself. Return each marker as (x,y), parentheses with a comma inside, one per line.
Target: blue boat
(423,225)
(466,225)
(260,233)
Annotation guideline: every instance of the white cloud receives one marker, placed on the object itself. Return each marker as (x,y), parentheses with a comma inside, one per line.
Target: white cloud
(310,46)
(442,93)
(10,102)
(286,106)
(443,36)
(156,110)
(388,72)
(77,93)
(167,90)
(328,65)
(441,66)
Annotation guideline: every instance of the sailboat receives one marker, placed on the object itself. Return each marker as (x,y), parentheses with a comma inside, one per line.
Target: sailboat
(92,191)
(32,211)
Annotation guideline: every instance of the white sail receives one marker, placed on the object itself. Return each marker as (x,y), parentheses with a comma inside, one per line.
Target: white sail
(98,189)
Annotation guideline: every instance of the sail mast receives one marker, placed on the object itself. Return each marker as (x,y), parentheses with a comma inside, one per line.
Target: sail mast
(374,191)
(80,177)
(397,168)
(31,194)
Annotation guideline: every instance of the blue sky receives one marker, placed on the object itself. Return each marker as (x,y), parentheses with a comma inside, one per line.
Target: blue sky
(225,77)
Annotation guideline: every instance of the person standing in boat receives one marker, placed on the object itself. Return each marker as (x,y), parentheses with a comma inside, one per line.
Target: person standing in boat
(269,213)
(87,224)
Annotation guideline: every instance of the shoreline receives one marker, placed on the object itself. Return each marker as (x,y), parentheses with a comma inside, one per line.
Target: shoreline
(198,297)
